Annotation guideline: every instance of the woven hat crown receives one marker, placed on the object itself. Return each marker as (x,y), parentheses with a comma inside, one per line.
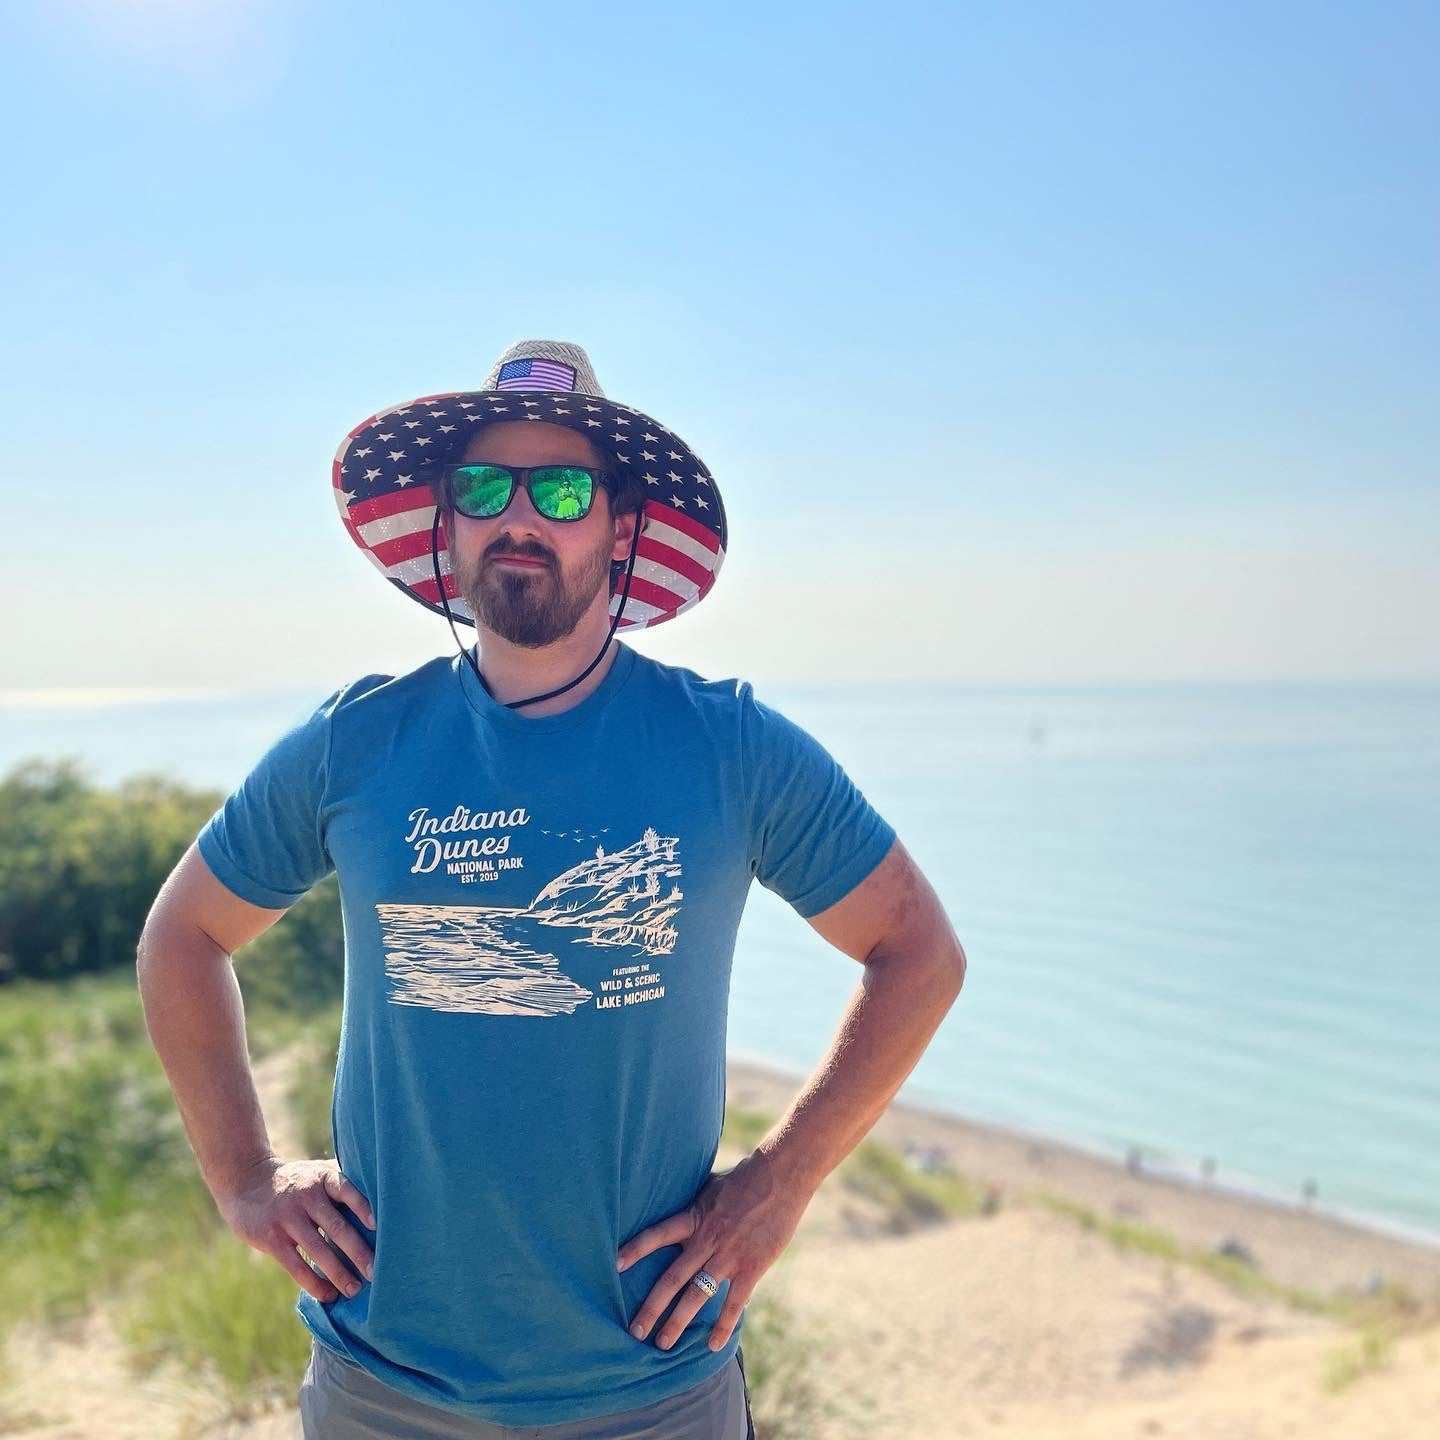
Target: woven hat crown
(378,479)
(559,350)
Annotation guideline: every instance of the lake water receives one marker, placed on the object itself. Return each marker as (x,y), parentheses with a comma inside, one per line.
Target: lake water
(1200,919)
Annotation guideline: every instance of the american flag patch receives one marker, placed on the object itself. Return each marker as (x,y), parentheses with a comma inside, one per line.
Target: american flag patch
(535,375)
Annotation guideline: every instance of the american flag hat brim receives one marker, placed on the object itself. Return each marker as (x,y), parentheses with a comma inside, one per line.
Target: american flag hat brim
(389,512)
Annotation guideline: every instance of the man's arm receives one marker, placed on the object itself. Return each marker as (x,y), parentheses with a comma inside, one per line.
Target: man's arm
(894,924)
(196,1017)
(743,1218)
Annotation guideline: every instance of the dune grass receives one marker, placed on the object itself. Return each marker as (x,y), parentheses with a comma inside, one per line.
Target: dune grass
(312,1088)
(231,1309)
(1378,1318)
(1369,1352)
(228,1310)
(878,1172)
(1388,1304)
(911,1198)
(101,1200)
(91,1147)
(787,1395)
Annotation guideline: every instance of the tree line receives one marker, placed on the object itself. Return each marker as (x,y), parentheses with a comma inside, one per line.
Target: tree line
(81,865)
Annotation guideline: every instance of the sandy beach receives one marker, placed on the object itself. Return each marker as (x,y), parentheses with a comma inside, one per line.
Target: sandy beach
(1290,1244)
(1018,1321)
(1024,1322)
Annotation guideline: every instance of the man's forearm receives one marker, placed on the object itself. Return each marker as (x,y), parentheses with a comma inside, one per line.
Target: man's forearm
(892,1016)
(196,1019)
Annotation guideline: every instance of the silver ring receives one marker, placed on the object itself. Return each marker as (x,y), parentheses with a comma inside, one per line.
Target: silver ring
(707,1282)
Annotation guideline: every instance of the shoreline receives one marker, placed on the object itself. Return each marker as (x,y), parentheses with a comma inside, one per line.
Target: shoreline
(1299,1245)
(1249,1189)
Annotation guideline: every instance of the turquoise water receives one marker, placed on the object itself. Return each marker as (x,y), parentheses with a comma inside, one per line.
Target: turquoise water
(1200,919)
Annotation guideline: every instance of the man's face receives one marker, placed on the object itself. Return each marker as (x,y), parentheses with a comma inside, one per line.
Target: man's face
(534,605)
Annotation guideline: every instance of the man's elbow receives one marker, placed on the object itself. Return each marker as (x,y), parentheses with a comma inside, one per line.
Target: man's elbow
(952,962)
(958,962)
(938,956)
(944,953)
(938,940)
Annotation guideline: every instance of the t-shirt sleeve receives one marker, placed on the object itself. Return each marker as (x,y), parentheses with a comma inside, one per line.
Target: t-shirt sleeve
(813,835)
(266,842)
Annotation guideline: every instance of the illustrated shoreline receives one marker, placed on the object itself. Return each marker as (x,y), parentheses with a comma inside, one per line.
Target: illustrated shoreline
(1297,1244)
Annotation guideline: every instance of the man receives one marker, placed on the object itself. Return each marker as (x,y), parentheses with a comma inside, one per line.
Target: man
(542,873)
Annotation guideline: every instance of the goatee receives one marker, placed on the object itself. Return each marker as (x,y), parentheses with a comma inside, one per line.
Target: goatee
(535,606)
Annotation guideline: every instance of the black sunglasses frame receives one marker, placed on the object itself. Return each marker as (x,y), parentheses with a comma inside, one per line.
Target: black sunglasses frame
(520,475)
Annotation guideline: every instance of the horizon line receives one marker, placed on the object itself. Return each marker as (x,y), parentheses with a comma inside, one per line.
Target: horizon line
(89,697)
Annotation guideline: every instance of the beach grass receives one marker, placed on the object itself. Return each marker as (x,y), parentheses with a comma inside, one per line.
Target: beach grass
(910,1198)
(92,1153)
(1369,1352)
(745,1126)
(228,1310)
(312,1087)
(787,1394)
(1378,1317)
(103,1204)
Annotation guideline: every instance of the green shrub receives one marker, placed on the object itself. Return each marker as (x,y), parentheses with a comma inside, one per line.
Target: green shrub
(297,966)
(80,866)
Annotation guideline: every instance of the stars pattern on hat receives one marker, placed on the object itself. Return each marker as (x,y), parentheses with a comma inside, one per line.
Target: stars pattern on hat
(670,472)
(378,469)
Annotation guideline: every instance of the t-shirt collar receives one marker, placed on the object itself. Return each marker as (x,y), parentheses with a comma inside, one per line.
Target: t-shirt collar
(490,712)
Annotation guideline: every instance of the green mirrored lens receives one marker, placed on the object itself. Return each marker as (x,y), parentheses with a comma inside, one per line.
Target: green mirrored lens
(561,492)
(481,489)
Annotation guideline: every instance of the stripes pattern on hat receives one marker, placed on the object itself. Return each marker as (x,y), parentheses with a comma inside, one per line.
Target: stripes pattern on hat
(388,511)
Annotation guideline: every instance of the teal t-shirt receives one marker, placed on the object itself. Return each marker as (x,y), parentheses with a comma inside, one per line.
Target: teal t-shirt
(540,918)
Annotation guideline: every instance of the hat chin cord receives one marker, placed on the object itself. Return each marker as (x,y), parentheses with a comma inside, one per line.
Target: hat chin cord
(620,610)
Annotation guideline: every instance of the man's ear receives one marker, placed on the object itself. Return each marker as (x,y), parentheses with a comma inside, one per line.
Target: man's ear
(624,534)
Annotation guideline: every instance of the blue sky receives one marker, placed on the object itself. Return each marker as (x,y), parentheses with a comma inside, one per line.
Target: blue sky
(1038,342)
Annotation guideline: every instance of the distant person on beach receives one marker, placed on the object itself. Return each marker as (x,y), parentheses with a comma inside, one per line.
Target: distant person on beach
(542,873)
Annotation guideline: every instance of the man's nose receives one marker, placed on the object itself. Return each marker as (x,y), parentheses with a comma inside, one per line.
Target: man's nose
(522,526)
(521,512)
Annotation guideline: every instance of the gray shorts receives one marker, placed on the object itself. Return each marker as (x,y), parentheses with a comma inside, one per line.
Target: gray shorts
(340,1400)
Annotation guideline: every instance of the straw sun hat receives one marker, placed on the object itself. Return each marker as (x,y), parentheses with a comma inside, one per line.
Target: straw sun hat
(390,513)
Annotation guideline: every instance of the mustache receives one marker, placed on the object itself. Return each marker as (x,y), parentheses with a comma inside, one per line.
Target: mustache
(519,554)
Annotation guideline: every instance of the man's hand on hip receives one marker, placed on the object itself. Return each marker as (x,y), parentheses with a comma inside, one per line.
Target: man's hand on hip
(277,1205)
(736,1228)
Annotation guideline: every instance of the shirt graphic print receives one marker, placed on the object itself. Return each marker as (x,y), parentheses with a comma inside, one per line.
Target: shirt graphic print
(503,960)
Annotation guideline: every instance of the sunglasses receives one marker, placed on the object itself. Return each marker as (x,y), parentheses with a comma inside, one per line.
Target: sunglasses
(558,492)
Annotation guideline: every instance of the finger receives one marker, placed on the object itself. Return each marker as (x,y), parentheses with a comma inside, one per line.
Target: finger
(300,1271)
(673,1230)
(344,1236)
(305,1233)
(341,1188)
(664,1291)
(729,1316)
(692,1301)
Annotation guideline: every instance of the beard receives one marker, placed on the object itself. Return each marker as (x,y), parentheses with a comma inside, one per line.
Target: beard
(535,607)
